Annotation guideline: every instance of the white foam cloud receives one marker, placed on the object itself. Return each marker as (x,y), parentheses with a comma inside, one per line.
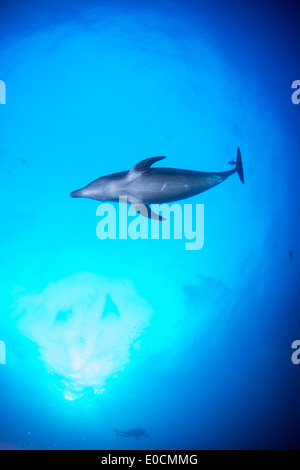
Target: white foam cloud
(74,338)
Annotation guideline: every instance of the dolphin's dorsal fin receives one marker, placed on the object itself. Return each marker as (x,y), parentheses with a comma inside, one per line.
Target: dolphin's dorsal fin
(144,165)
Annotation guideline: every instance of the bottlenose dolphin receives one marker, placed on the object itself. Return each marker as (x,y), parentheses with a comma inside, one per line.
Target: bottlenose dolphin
(145,185)
(137,433)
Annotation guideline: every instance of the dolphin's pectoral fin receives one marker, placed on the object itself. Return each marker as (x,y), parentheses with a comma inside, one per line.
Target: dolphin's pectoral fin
(152,215)
(144,165)
(145,210)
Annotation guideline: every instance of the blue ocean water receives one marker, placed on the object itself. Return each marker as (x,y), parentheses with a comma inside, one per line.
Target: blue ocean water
(193,346)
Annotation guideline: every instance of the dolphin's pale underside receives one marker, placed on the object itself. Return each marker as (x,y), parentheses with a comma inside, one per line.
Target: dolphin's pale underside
(145,185)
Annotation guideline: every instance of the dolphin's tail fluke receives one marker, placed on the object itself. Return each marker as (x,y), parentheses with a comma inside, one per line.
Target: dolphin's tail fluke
(239,165)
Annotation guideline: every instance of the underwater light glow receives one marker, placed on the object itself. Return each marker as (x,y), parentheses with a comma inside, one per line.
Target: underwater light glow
(85,327)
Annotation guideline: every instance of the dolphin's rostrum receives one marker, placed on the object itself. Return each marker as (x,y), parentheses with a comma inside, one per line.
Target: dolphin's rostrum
(145,185)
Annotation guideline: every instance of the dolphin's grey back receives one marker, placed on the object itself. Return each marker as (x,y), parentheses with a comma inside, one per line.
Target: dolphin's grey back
(159,185)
